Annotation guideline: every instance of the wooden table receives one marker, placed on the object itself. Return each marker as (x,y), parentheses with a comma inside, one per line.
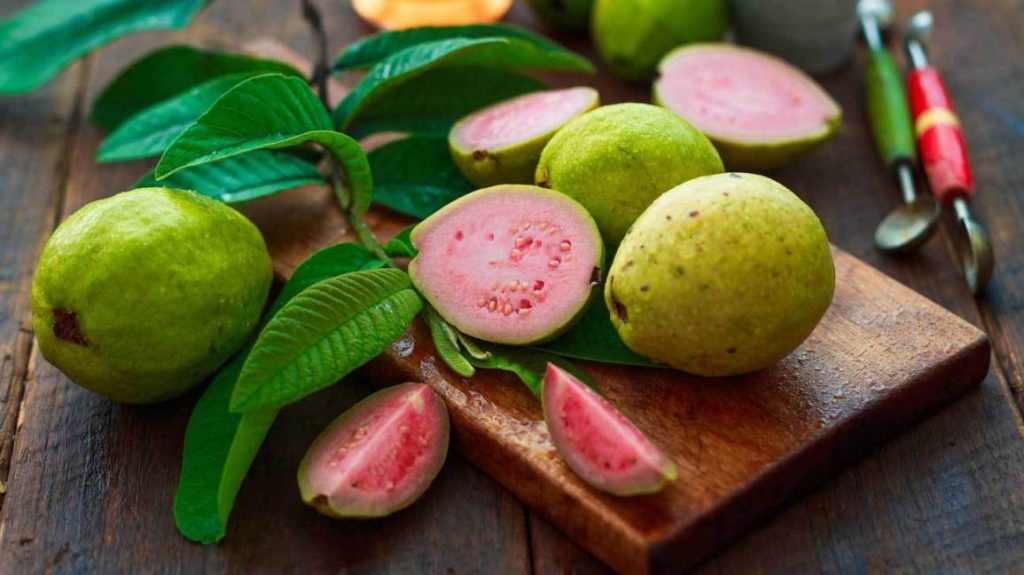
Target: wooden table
(88,484)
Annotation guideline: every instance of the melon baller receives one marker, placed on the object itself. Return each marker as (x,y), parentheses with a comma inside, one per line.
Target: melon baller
(912,223)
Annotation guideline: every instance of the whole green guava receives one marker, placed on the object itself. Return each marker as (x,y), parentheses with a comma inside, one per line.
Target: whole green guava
(140,296)
(632,35)
(617,159)
(722,275)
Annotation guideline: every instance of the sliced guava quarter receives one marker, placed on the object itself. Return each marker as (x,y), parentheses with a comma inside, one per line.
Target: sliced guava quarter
(758,110)
(509,264)
(379,456)
(598,443)
(501,144)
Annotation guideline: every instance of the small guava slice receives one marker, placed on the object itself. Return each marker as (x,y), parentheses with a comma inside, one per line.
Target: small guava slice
(509,264)
(597,442)
(379,456)
(501,143)
(759,111)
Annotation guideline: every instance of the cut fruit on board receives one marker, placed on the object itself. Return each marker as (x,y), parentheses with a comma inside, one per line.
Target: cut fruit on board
(509,264)
(759,111)
(501,144)
(598,443)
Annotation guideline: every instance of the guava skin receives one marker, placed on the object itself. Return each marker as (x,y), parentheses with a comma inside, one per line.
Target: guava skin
(141,296)
(567,15)
(632,35)
(617,159)
(721,276)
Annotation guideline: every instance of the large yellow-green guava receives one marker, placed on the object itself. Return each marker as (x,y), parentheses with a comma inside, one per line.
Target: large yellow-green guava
(632,35)
(141,296)
(722,275)
(616,159)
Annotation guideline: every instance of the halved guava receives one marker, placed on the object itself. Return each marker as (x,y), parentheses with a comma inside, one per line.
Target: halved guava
(759,111)
(509,264)
(501,143)
(379,456)
(598,443)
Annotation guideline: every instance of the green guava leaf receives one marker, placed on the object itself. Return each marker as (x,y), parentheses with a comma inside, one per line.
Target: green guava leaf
(416,176)
(149,132)
(220,445)
(594,338)
(446,343)
(39,41)
(323,334)
(533,52)
(401,246)
(271,111)
(403,66)
(439,98)
(528,364)
(167,72)
(323,264)
(242,178)
(219,448)
(472,347)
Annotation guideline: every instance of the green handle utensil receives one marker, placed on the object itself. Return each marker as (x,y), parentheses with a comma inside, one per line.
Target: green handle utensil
(888,109)
(911,224)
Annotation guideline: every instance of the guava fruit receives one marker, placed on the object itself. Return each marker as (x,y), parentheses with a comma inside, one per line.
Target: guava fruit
(722,275)
(617,159)
(379,456)
(567,15)
(140,296)
(632,35)
(597,442)
(501,143)
(759,111)
(509,264)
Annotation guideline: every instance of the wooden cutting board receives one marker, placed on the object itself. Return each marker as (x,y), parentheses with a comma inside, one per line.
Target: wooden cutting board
(882,359)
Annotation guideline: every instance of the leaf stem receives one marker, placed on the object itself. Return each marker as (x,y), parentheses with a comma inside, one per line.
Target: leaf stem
(321,71)
(321,74)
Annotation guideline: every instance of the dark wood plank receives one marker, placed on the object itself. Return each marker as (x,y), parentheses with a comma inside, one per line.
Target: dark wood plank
(33,135)
(92,484)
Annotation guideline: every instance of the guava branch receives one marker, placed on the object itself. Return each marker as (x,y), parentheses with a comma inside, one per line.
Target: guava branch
(321,69)
(320,78)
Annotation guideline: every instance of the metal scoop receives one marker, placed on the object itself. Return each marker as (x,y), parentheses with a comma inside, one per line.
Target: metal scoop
(911,224)
(944,153)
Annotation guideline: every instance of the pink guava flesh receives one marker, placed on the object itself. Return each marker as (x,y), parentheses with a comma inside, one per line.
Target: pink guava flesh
(379,456)
(597,442)
(521,119)
(743,95)
(509,264)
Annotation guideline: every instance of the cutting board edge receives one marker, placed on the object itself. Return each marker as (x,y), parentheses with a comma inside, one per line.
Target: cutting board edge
(842,445)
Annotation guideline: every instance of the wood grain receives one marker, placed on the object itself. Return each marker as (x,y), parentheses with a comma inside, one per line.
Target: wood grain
(87,496)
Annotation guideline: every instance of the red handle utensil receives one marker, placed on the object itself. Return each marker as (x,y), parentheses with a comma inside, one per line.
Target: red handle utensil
(941,142)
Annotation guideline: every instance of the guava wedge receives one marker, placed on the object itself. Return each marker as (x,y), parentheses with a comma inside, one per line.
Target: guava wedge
(379,456)
(759,111)
(598,443)
(501,143)
(509,264)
